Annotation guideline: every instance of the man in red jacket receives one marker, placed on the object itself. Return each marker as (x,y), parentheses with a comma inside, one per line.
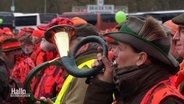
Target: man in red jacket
(36,39)
(24,64)
(11,50)
(179,40)
(51,78)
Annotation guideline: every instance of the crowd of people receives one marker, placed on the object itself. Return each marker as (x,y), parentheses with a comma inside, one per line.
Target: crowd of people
(144,63)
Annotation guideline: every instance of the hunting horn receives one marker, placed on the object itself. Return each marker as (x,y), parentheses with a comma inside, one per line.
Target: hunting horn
(60,36)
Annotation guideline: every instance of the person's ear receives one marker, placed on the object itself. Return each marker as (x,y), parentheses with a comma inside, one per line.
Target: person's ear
(142,58)
(85,47)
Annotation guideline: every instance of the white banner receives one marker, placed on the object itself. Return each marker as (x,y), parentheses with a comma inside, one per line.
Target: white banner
(100,8)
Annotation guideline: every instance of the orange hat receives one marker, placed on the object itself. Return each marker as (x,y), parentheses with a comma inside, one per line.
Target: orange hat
(38,33)
(55,21)
(2,38)
(10,44)
(7,31)
(172,26)
(77,20)
(1,31)
(25,29)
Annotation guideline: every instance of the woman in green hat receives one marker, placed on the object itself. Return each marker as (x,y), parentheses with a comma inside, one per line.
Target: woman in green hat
(143,67)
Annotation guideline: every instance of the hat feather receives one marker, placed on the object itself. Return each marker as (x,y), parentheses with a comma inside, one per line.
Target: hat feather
(152,30)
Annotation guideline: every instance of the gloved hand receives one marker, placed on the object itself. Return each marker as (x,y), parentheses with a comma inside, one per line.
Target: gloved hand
(46,100)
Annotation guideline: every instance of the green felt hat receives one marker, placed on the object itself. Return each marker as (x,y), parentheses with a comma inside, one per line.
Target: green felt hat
(141,35)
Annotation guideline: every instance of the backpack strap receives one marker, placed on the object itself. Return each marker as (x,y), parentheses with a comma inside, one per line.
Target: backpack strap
(160,91)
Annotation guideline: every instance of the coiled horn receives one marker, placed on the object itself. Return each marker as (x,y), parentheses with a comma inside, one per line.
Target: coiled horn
(60,36)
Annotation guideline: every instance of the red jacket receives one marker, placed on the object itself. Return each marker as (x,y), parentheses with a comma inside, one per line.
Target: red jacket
(50,83)
(160,91)
(36,52)
(23,65)
(180,75)
(51,79)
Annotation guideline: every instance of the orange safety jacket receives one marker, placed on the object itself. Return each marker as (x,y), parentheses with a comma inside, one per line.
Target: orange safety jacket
(160,91)
(180,75)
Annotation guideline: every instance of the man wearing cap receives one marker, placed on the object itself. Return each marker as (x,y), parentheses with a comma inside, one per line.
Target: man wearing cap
(179,40)
(24,64)
(143,67)
(73,90)
(11,49)
(50,79)
(39,55)
(18,64)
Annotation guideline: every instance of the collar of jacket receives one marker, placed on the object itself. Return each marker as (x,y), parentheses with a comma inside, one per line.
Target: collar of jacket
(133,82)
(85,57)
